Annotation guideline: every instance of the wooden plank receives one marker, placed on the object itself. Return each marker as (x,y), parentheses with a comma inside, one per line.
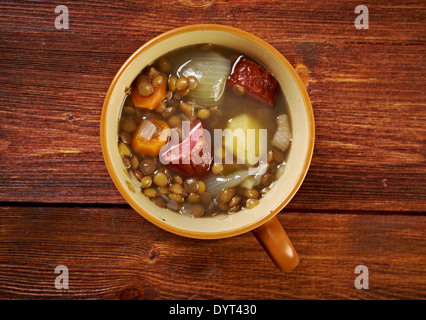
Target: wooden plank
(114,253)
(294,20)
(366,87)
(368,102)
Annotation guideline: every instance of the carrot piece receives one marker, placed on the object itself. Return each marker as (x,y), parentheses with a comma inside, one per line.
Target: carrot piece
(151,147)
(149,102)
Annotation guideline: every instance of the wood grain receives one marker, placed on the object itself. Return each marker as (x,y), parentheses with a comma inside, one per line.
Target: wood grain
(293,20)
(366,87)
(122,252)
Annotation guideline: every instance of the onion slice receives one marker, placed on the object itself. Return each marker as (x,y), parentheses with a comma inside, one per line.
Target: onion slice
(212,71)
(148,130)
(215,183)
(282,137)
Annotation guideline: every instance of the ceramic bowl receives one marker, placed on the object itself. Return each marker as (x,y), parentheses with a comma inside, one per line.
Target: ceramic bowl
(300,153)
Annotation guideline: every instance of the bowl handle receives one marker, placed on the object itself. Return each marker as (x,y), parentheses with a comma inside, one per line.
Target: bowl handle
(277,244)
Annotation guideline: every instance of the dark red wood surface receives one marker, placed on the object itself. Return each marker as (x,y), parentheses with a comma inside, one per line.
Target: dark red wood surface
(363,200)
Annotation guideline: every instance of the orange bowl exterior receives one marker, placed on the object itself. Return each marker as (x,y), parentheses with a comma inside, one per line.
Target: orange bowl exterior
(233,231)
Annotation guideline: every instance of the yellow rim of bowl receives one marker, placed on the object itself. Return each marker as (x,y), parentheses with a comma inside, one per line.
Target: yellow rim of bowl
(308,156)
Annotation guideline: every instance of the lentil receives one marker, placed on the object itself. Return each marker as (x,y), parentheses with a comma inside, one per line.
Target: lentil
(251,193)
(158,81)
(164,65)
(178,179)
(150,192)
(134,162)
(146,182)
(168,112)
(235,201)
(182,83)
(172,83)
(206,198)
(193,198)
(267,179)
(234,208)
(183,92)
(124,149)
(178,189)
(160,179)
(125,137)
(147,166)
(175,121)
(145,88)
(225,195)
(192,82)
(251,203)
(217,168)
(158,202)
(128,125)
(138,175)
(163,190)
(126,162)
(197,210)
(176,198)
(201,187)
(223,206)
(278,155)
(191,185)
(203,114)
(270,155)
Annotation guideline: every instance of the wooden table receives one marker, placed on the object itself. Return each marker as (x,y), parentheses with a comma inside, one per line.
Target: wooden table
(362,203)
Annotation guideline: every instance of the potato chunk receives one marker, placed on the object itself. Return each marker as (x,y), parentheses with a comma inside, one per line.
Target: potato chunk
(282,136)
(242,138)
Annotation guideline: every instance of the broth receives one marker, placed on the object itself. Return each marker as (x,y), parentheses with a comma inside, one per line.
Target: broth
(174,104)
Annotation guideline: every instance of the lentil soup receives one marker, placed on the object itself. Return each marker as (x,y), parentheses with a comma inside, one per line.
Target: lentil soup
(179,101)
